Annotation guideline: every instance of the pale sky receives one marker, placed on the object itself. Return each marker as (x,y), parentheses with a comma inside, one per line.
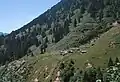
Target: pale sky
(16,13)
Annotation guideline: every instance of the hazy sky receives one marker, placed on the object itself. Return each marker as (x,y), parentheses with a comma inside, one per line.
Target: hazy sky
(16,13)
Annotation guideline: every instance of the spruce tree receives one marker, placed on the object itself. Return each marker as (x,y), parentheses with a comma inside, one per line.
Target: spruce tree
(85,77)
(75,22)
(99,74)
(110,63)
(66,27)
(117,60)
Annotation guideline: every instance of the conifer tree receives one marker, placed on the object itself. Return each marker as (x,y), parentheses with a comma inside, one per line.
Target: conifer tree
(99,74)
(110,63)
(85,77)
(117,60)
(75,22)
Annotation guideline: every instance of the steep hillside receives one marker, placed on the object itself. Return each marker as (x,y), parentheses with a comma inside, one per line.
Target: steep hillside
(106,46)
(44,67)
(66,38)
(79,20)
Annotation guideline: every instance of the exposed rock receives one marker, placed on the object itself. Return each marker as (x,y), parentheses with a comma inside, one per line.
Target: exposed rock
(14,72)
(89,65)
(58,78)
(98,80)
(63,52)
(116,23)
(74,48)
(83,51)
(36,80)
(71,50)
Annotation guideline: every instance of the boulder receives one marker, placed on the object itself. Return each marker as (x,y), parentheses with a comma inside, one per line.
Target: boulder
(36,80)
(83,51)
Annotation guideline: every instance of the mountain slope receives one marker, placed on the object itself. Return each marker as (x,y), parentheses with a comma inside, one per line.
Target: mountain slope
(97,54)
(105,47)
(68,18)
(44,67)
(65,38)
(81,28)
(1,33)
(37,31)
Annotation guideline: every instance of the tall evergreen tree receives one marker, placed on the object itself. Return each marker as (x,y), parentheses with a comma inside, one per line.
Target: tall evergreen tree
(66,27)
(99,74)
(92,75)
(75,22)
(85,77)
(82,9)
(110,63)
(117,60)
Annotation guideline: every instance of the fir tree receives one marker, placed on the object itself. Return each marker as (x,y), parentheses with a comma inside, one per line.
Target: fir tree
(117,60)
(85,78)
(75,22)
(99,74)
(110,63)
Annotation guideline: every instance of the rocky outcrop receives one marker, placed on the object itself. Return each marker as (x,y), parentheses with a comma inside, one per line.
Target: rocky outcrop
(15,71)
(58,77)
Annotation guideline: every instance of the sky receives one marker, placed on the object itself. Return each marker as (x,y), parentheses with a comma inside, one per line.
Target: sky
(16,13)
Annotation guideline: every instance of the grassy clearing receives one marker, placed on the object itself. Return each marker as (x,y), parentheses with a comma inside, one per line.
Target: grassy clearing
(44,66)
(101,51)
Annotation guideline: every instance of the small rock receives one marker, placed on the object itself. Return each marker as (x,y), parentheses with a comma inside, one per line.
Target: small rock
(83,51)
(36,80)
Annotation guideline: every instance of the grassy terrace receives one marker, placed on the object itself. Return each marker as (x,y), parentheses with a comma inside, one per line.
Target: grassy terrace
(45,66)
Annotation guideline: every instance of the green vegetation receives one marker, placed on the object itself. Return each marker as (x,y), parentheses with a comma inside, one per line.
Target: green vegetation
(69,24)
(90,74)
(89,18)
(110,63)
(1,39)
